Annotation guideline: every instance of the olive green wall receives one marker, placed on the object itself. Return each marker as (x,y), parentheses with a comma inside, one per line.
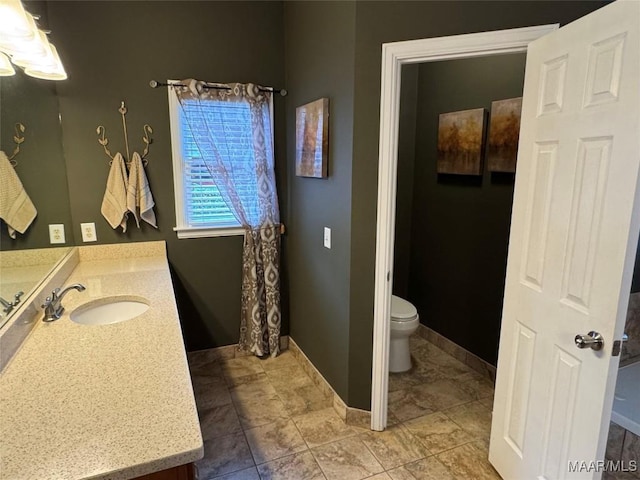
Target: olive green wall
(111,50)
(460,226)
(319,48)
(377,23)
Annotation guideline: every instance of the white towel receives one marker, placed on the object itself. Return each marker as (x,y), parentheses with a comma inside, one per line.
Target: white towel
(114,202)
(16,208)
(139,198)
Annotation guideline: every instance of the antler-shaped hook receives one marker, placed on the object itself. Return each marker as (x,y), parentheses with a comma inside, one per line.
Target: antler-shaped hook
(103,141)
(18,138)
(147,141)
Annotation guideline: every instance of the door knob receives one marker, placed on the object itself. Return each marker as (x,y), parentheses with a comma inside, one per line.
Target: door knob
(591,340)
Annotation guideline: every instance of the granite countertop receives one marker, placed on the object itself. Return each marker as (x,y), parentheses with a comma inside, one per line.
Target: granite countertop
(101,401)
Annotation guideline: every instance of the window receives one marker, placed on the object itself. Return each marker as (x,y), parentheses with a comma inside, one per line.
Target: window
(200,208)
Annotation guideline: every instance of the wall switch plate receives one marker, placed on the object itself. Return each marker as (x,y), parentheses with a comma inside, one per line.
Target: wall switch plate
(56,233)
(88,232)
(327,237)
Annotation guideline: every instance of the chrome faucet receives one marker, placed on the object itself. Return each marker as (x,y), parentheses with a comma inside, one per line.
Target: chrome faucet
(8,306)
(53,308)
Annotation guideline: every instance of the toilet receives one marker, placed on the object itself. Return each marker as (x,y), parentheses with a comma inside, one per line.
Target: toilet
(404,321)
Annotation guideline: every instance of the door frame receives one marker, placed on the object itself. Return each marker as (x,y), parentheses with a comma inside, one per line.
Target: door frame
(394,55)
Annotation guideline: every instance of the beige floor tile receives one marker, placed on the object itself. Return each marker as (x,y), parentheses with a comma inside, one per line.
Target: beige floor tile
(261,413)
(300,466)
(211,395)
(404,406)
(419,374)
(441,394)
(437,432)
(473,417)
(380,476)
(347,459)
(286,359)
(470,462)
(207,383)
(477,385)
(219,421)
(394,447)
(426,469)
(247,474)
(289,377)
(304,399)
(322,426)
(275,440)
(202,357)
(253,392)
(224,455)
(487,402)
(428,398)
(241,366)
(206,373)
(253,377)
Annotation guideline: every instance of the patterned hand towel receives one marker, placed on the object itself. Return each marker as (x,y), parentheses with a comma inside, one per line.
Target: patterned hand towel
(114,202)
(139,197)
(16,208)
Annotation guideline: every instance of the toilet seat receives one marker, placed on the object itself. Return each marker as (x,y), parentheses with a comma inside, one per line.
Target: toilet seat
(401,310)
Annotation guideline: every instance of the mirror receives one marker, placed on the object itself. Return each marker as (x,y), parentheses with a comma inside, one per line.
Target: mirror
(40,165)
(22,271)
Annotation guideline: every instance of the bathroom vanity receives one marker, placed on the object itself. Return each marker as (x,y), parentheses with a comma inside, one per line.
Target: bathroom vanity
(101,401)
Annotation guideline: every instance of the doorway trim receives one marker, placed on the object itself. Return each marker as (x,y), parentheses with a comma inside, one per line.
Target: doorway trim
(394,55)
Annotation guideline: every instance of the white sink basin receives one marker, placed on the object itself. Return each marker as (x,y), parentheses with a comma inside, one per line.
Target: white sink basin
(104,311)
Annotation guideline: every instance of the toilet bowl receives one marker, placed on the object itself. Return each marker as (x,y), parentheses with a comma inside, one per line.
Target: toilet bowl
(404,321)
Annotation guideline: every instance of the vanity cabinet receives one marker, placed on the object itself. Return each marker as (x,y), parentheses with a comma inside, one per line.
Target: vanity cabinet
(183,472)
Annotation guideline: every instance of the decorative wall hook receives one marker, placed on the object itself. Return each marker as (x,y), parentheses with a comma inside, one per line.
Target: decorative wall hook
(147,140)
(18,138)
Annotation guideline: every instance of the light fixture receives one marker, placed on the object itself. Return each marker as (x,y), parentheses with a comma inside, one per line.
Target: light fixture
(6,69)
(14,21)
(32,51)
(26,45)
(51,71)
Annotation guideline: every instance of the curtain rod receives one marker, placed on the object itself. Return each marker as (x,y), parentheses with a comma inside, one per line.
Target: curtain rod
(156,84)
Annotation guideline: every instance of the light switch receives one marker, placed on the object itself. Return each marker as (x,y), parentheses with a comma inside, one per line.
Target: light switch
(56,233)
(327,237)
(88,232)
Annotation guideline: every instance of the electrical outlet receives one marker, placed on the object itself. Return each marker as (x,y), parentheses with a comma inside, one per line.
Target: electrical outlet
(56,233)
(327,237)
(88,232)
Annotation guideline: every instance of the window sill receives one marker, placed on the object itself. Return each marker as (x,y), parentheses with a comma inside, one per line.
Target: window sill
(191,232)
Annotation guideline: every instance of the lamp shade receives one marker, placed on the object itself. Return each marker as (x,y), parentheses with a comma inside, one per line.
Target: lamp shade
(30,51)
(48,71)
(6,69)
(14,21)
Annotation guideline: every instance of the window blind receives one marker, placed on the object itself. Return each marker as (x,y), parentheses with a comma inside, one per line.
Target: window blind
(229,124)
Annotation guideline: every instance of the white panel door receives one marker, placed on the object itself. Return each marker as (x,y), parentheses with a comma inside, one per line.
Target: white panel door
(574,233)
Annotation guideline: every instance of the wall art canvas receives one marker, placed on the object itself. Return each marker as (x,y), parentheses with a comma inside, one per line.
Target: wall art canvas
(312,139)
(460,142)
(504,130)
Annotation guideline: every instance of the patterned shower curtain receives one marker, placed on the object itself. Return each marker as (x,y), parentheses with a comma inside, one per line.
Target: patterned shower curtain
(257,212)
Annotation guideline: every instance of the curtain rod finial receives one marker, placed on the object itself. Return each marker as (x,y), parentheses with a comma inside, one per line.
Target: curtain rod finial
(153,84)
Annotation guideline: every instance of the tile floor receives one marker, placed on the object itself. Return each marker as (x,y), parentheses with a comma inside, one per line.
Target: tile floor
(265,419)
